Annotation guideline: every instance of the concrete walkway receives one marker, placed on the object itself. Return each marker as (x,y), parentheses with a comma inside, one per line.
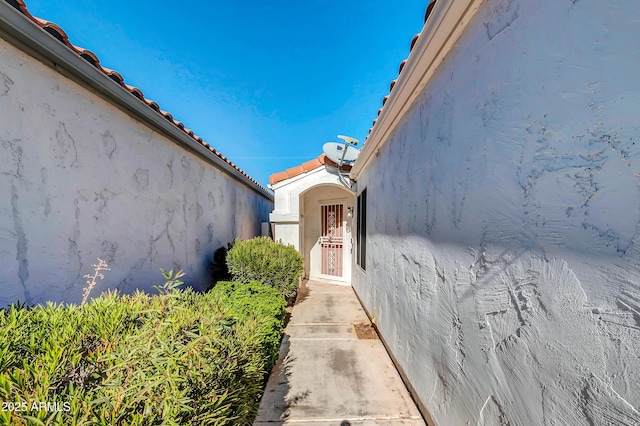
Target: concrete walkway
(333,370)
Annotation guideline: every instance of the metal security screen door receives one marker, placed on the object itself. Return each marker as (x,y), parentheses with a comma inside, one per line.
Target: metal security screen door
(332,239)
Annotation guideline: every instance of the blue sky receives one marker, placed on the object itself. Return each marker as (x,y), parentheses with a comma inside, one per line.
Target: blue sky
(265,83)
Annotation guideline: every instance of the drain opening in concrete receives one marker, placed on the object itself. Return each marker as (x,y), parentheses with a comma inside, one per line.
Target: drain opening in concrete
(365,331)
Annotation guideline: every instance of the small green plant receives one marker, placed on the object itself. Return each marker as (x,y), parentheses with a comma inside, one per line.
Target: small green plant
(263,260)
(172,282)
(91,279)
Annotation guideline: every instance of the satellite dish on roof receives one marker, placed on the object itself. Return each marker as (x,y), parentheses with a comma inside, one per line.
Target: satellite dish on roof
(341,155)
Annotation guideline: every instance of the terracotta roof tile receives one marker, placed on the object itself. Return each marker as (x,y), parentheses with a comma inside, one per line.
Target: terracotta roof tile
(414,40)
(167,115)
(303,168)
(429,9)
(311,164)
(402,64)
(135,92)
(92,59)
(115,76)
(153,105)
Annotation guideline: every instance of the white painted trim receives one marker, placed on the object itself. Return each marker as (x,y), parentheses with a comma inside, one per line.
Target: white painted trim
(296,178)
(447,21)
(328,280)
(284,219)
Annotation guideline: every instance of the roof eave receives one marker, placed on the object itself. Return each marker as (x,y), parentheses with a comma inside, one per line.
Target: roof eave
(446,22)
(53,53)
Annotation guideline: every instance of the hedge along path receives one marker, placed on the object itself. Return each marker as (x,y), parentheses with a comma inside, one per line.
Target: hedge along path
(273,264)
(176,358)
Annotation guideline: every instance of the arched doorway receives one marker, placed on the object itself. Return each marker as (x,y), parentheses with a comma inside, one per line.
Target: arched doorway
(326,232)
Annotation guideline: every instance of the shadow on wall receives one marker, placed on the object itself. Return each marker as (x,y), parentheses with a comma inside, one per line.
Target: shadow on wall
(219,268)
(514,322)
(200,277)
(214,267)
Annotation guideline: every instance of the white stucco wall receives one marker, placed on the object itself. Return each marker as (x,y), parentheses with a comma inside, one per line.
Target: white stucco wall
(286,193)
(291,196)
(288,234)
(80,179)
(503,247)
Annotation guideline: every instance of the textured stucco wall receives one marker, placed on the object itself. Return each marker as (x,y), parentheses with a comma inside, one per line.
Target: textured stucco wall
(503,244)
(80,179)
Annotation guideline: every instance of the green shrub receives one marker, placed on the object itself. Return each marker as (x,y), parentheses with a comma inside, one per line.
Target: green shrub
(265,261)
(247,300)
(178,358)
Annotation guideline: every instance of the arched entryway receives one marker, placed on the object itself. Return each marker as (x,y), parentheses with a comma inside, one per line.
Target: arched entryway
(326,232)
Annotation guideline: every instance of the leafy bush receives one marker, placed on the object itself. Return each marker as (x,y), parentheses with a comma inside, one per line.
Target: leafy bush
(268,262)
(245,300)
(175,358)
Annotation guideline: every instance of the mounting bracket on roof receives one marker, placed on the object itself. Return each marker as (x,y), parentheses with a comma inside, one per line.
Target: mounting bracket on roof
(348,140)
(341,155)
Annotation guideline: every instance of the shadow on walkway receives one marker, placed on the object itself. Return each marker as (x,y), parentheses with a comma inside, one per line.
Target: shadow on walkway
(332,369)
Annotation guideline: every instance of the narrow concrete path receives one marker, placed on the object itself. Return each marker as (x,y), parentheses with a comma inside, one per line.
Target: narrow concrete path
(329,373)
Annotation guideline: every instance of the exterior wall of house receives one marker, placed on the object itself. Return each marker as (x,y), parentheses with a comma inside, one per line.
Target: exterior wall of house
(286,214)
(288,234)
(80,179)
(503,243)
(291,196)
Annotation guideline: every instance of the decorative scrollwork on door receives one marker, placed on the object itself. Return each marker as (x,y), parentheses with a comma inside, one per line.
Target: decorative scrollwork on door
(332,239)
